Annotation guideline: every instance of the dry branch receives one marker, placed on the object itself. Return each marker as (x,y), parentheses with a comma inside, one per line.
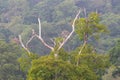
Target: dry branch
(42,40)
(73,29)
(40,37)
(82,48)
(20,39)
(29,40)
(39,27)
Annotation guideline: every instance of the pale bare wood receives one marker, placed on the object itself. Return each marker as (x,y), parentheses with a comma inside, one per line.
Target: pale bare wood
(81,52)
(85,13)
(39,27)
(22,44)
(54,43)
(73,29)
(82,48)
(42,40)
(30,40)
(40,37)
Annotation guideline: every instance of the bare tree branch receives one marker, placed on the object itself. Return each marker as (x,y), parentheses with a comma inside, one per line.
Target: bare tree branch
(85,13)
(39,27)
(20,39)
(41,39)
(73,29)
(82,48)
(54,43)
(29,40)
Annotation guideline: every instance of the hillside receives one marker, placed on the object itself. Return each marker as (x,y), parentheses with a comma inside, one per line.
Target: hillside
(20,17)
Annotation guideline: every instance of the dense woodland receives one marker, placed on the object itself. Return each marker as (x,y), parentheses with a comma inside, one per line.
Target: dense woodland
(91,53)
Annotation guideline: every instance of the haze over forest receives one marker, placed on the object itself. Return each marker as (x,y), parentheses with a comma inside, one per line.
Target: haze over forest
(91,52)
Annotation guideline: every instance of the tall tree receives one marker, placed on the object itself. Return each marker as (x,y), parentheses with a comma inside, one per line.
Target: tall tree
(60,64)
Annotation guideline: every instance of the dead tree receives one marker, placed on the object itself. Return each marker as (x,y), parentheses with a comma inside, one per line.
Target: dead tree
(39,36)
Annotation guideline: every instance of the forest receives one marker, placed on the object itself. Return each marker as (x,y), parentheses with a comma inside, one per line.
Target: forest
(59,39)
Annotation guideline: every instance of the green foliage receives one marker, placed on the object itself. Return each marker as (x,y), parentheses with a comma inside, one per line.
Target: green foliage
(60,64)
(90,26)
(25,61)
(6,34)
(91,66)
(55,15)
(17,15)
(115,59)
(87,49)
(110,75)
(116,72)
(94,61)
(59,68)
(85,73)
(115,54)
(48,67)
(9,67)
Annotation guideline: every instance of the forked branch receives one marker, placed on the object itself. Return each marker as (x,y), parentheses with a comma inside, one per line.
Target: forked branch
(40,37)
(42,40)
(73,29)
(29,40)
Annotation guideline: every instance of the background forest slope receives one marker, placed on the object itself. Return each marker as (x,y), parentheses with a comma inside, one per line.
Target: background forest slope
(19,17)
